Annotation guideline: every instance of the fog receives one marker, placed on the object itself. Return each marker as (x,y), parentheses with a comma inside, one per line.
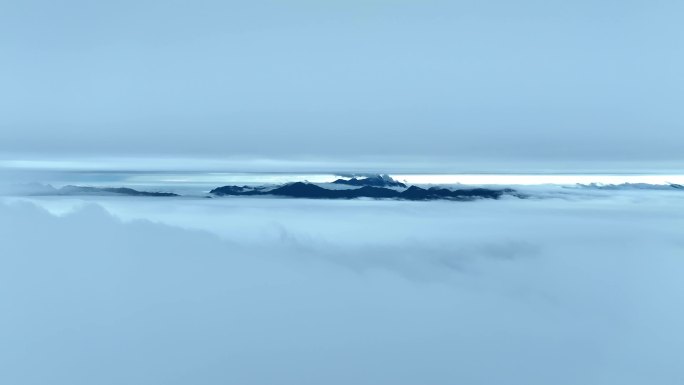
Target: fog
(280,291)
(570,285)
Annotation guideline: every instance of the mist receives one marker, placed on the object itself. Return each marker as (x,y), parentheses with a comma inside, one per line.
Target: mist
(125,125)
(280,291)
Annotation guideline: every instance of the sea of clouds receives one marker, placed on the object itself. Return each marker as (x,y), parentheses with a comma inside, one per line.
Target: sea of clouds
(563,290)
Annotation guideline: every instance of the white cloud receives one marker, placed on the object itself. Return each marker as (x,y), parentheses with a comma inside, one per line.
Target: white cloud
(275,291)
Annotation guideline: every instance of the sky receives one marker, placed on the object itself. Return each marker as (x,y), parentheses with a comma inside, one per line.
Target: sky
(496,82)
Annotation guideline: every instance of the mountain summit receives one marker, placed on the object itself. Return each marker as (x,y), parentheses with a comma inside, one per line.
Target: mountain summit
(380,180)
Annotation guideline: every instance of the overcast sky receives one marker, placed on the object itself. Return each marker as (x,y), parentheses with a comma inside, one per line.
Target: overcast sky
(525,80)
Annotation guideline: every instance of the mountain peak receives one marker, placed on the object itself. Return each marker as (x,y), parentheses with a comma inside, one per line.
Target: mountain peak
(379,180)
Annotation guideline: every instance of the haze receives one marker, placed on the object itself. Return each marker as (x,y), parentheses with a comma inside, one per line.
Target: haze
(524,81)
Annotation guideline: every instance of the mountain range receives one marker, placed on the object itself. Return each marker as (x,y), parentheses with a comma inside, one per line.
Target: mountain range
(48,190)
(371,187)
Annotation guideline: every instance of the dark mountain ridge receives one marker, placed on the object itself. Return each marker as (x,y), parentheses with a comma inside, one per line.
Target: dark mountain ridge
(414,193)
(47,190)
(631,186)
(372,181)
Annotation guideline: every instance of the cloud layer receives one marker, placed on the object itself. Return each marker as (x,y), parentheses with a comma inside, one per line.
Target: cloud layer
(256,291)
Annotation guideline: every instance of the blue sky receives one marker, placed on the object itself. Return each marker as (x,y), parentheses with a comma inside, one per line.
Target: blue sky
(525,81)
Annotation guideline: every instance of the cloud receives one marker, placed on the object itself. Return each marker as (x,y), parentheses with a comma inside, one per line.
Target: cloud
(272,291)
